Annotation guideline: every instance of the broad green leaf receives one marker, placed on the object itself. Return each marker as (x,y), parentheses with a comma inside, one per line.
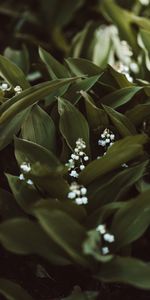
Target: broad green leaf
(73,124)
(117,186)
(145,34)
(133,220)
(138,113)
(75,211)
(29,97)
(13,291)
(121,152)
(39,128)
(96,117)
(67,233)
(81,66)
(119,97)
(48,181)
(26,151)
(12,74)
(22,236)
(101,214)
(10,128)
(19,57)
(73,92)
(8,206)
(55,68)
(126,270)
(120,78)
(80,46)
(25,194)
(120,121)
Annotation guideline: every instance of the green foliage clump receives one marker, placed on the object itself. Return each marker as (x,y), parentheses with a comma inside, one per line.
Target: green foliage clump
(74,142)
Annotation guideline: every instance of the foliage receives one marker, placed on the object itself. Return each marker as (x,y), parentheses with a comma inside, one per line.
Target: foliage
(76,134)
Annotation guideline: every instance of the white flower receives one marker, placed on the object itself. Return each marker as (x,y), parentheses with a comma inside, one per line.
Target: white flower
(25,167)
(18,89)
(29,181)
(78,193)
(109,237)
(83,191)
(75,164)
(106,138)
(105,250)
(82,167)
(101,228)
(144,2)
(74,173)
(21,177)
(86,158)
(71,195)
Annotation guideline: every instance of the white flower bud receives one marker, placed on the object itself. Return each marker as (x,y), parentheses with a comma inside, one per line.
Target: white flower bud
(82,167)
(86,158)
(74,174)
(109,237)
(105,250)
(71,195)
(83,191)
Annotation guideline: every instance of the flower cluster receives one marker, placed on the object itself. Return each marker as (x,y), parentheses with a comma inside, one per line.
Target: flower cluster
(78,193)
(124,69)
(78,159)
(107,139)
(25,167)
(106,236)
(5,87)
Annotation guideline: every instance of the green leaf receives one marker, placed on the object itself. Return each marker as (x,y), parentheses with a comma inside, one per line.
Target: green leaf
(39,128)
(120,97)
(26,151)
(10,128)
(126,270)
(96,117)
(19,57)
(75,211)
(55,68)
(117,186)
(73,92)
(48,180)
(67,233)
(73,124)
(120,121)
(81,66)
(138,113)
(25,194)
(13,291)
(29,97)
(12,74)
(121,152)
(133,220)
(8,206)
(120,78)
(22,236)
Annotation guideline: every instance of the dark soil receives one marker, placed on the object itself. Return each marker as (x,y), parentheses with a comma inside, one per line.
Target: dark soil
(58,282)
